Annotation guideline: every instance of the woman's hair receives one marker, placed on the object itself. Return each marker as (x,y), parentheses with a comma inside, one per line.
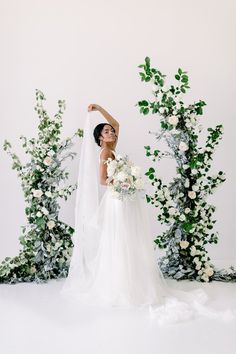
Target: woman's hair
(97,132)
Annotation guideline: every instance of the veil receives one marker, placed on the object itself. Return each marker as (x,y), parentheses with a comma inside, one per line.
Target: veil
(86,235)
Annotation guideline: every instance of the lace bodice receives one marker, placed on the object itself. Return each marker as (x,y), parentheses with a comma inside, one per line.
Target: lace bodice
(101,151)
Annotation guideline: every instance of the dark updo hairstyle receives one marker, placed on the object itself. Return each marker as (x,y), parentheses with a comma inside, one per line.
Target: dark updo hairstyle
(98,130)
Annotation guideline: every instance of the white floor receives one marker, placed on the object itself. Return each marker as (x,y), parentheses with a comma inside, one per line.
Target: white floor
(35,320)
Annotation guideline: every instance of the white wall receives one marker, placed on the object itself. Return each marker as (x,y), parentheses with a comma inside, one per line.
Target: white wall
(88,51)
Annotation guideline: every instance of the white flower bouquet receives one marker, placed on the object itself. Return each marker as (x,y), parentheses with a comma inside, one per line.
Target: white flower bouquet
(123,177)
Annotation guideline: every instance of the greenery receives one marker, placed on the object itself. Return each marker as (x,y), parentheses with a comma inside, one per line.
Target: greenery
(183,203)
(46,241)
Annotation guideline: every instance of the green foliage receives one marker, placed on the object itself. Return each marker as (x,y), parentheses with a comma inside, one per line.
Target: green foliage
(46,241)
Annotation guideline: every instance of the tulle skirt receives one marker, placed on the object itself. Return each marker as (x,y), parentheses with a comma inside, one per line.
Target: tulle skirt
(124,272)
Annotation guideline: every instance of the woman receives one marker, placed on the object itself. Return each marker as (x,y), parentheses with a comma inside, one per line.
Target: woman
(113,261)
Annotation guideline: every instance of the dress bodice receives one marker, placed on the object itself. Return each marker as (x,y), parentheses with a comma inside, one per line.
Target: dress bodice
(101,151)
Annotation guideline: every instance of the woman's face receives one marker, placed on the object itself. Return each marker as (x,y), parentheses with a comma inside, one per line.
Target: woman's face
(108,134)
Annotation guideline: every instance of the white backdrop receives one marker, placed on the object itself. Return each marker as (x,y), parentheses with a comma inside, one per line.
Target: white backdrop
(87,51)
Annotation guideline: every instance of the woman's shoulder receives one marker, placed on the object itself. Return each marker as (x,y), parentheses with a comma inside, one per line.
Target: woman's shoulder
(105,153)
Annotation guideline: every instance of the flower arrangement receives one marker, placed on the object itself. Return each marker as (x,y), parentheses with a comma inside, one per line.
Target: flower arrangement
(182,203)
(124,178)
(46,241)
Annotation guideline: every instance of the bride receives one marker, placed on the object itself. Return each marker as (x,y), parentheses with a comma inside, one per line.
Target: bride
(113,261)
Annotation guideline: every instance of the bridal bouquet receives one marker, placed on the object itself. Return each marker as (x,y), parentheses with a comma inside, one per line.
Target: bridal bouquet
(123,177)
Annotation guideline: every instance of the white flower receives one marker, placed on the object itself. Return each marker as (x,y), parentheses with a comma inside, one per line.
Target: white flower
(183,146)
(185,166)
(61,192)
(209,271)
(161,110)
(194,171)
(172,211)
(187,210)
(121,176)
(205,277)
(51,224)
(135,171)
(47,161)
(51,153)
(191,194)
(48,194)
(182,217)
(193,251)
(138,183)
(125,186)
(184,244)
(195,259)
(37,193)
(186,184)
(45,211)
(173,120)
(195,188)
(38,214)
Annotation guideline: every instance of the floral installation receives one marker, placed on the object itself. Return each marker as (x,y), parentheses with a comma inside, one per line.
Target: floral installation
(46,241)
(124,178)
(182,203)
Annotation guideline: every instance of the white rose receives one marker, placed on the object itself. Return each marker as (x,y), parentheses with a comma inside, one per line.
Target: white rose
(38,214)
(51,224)
(183,146)
(37,193)
(172,211)
(209,271)
(121,176)
(45,211)
(182,217)
(47,161)
(173,120)
(191,194)
(184,244)
(187,210)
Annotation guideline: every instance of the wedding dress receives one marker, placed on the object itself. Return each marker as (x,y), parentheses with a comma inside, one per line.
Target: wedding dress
(114,263)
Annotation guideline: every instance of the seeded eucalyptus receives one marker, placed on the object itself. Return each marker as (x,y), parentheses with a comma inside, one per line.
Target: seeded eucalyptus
(46,240)
(183,203)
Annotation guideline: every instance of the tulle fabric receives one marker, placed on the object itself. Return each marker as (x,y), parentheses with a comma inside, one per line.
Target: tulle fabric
(125,273)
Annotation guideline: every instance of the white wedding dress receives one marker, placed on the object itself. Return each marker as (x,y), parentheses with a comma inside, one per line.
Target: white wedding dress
(124,273)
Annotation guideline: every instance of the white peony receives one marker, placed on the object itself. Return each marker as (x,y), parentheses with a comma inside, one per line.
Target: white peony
(183,146)
(173,120)
(37,193)
(184,244)
(51,224)
(47,161)
(191,194)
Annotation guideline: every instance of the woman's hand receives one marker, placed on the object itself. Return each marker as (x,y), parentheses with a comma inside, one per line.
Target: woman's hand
(93,107)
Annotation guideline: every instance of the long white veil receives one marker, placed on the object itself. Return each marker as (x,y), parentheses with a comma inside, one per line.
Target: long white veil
(86,235)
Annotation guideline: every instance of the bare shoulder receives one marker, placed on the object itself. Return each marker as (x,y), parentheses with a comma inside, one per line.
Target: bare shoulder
(105,154)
